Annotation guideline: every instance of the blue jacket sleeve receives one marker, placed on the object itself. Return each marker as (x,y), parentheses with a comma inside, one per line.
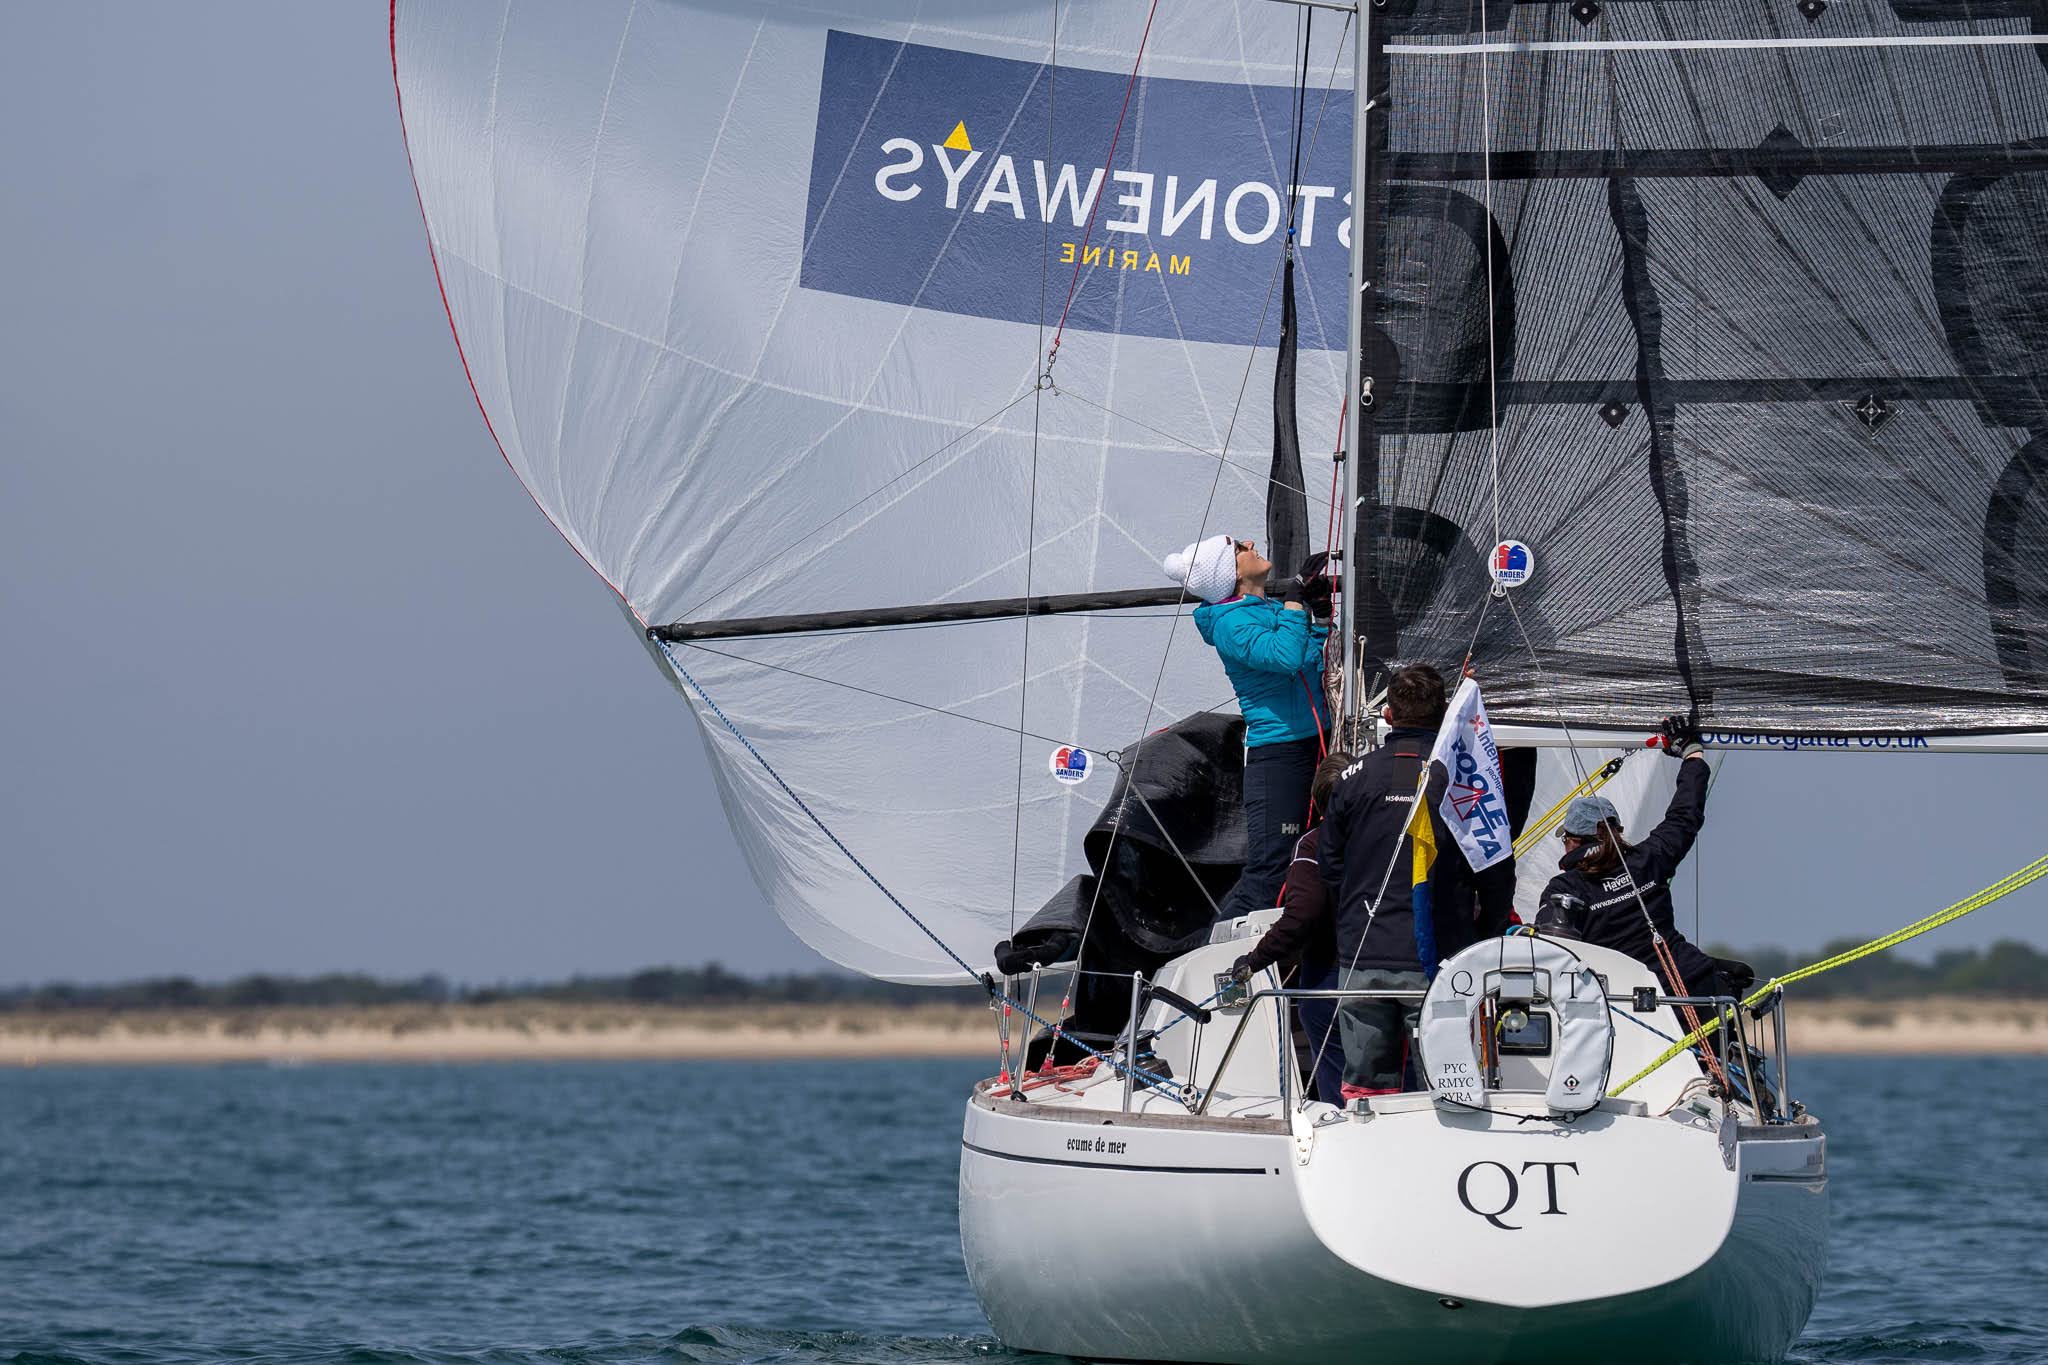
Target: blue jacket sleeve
(1271,642)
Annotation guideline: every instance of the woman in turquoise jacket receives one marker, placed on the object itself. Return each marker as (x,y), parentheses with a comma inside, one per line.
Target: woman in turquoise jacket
(1273,654)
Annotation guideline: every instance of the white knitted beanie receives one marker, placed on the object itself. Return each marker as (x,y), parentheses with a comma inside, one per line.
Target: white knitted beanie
(1208,568)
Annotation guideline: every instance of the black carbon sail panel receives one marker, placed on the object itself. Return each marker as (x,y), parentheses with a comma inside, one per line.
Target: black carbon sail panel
(1749,302)
(1287,542)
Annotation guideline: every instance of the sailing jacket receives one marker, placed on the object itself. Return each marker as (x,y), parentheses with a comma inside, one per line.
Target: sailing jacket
(1366,830)
(1608,913)
(1274,658)
(1305,933)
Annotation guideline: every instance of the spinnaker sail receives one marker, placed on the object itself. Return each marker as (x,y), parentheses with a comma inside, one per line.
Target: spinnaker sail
(1730,312)
(757,301)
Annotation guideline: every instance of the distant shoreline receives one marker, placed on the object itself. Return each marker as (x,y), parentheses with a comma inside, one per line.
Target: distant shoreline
(510,1031)
(539,1030)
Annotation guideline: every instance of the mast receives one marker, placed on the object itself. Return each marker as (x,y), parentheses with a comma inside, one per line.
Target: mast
(1355,572)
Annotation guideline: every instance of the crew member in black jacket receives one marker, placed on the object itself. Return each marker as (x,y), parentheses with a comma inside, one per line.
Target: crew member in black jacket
(1365,833)
(1609,892)
(1304,939)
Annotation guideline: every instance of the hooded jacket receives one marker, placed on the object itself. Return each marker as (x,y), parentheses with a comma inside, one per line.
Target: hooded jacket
(1605,911)
(1274,658)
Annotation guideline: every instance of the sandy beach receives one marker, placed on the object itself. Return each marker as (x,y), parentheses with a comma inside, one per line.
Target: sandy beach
(539,1031)
(512,1031)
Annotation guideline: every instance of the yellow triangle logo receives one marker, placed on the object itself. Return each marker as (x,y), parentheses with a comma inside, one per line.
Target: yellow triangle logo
(957,140)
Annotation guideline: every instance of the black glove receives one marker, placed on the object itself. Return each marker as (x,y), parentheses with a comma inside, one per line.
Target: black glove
(1561,915)
(1013,959)
(1311,586)
(1681,737)
(1241,970)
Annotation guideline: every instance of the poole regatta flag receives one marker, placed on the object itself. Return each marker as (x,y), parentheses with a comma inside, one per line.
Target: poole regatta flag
(1472,805)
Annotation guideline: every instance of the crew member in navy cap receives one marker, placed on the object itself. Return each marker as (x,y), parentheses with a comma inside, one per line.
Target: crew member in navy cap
(1608,892)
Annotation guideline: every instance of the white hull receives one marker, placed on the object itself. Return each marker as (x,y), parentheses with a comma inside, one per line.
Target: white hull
(1197,1244)
(1629,1233)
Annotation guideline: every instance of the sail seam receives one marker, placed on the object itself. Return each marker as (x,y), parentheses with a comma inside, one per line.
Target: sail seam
(1667,480)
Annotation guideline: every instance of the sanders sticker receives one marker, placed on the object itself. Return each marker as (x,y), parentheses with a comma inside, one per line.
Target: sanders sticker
(1511,564)
(1070,765)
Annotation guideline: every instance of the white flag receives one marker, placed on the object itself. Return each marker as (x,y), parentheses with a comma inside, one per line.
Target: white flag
(1473,805)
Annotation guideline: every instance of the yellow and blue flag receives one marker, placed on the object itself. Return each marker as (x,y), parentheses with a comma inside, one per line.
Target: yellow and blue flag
(1422,835)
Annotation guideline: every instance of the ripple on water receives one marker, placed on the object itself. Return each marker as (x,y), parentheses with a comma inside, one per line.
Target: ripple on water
(576,1214)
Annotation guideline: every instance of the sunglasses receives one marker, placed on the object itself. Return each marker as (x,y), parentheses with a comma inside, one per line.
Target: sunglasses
(1245,547)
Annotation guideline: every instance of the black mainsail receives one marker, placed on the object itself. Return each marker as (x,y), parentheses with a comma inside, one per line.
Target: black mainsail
(1745,303)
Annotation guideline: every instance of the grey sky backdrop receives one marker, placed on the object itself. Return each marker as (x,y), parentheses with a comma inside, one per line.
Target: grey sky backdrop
(296,677)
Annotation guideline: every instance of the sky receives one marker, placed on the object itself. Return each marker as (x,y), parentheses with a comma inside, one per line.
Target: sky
(297,678)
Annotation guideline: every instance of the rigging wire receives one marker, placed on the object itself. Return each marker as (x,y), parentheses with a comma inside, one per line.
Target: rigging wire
(871,692)
(1052,66)
(1264,475)
(1535,831)
(1699,857)
(1314,139)
(1543,683)
(1492,305)
(1674,980)
(1304,39)
(1135,1073)
(1166,654)
(1095,204)
(1372,907)
(867,497)
(1998,890)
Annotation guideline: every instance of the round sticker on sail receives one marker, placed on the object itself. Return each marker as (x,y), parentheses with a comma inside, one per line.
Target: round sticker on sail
(1070,764)
(1511,563)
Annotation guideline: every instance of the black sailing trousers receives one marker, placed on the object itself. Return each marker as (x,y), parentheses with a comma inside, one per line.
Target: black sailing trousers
(1276,783)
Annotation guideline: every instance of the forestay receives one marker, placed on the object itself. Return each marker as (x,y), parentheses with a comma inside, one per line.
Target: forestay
(756,299)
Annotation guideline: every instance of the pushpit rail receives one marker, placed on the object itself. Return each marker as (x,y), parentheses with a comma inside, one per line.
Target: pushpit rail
(1728,1012)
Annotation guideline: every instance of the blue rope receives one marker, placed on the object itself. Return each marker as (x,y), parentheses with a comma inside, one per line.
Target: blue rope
(1740,1090)
(1167,1027)
(1145,1078)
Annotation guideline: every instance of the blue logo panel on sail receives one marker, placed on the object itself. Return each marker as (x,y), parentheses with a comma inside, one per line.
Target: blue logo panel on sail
(933,183)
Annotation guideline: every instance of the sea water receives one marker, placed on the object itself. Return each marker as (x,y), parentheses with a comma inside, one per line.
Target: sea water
(742,1212)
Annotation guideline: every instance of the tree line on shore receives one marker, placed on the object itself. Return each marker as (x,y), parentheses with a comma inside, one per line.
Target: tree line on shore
(2007,969)
(710,984)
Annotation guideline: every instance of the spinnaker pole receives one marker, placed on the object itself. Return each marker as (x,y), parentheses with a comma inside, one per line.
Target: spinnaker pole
(1355,571)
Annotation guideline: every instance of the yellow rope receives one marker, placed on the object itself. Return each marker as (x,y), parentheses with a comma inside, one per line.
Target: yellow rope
(2032,872)
(1533,832)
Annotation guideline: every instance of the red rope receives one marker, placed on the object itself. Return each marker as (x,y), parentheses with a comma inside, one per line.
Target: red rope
(1336,469)
(1095,203)
(1054,1076)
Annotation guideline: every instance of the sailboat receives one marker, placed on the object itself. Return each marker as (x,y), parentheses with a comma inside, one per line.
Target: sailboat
(1668,358)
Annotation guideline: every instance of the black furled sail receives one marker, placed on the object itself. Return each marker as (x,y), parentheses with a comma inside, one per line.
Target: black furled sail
(1747,303)
(1286,497)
